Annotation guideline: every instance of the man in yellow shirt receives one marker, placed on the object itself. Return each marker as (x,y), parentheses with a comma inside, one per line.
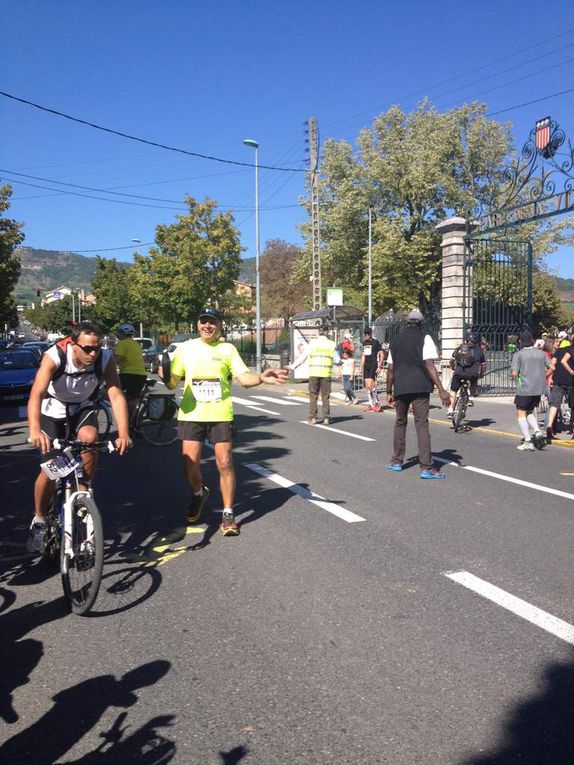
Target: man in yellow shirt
(208,365)
(129,358)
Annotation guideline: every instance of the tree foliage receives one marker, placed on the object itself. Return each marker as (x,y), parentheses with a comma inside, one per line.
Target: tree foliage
(110,286)
(57,315)
(413,170)
(10,237)
(283,293)
(194,263)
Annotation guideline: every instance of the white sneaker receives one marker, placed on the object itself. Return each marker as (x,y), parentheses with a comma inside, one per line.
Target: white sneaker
(526,446)
(450,413)
(470,401)
(35,542)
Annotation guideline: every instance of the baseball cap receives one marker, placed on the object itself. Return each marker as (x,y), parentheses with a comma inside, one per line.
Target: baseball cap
(539,343)
(415,315)
(212,314)
(562,334)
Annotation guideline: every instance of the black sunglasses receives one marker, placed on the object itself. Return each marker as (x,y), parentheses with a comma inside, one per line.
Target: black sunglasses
(89,348)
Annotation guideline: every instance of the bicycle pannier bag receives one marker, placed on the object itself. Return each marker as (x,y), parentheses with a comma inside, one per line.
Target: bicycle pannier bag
(161,408)
(465,356)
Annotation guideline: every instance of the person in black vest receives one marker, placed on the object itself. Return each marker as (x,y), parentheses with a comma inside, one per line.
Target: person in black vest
(411,376)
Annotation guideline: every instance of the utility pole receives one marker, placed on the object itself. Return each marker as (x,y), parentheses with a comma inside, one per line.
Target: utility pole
(315,233)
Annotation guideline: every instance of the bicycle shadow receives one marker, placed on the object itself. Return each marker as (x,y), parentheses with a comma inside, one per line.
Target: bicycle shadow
(76,711)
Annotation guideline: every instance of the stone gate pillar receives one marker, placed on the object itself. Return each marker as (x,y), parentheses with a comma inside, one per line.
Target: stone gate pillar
(453,231)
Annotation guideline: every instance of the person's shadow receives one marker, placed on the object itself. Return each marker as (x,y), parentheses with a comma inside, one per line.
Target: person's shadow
(75,712)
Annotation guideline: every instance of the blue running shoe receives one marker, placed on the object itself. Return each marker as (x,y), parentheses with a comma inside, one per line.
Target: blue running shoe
(393,466)
(432,472)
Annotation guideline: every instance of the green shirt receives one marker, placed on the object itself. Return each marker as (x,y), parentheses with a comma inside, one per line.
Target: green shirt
(208,369)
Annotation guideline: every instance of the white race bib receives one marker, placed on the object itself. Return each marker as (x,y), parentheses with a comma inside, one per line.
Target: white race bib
(367,350)
(206,389)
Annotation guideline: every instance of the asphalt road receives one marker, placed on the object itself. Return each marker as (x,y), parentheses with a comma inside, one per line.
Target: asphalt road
(362,616)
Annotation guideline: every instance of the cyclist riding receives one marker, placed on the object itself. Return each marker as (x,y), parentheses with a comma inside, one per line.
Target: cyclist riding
(61,406)
(469,363)
(129,358)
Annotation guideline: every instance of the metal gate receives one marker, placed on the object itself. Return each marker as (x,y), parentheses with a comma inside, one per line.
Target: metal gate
(497,302)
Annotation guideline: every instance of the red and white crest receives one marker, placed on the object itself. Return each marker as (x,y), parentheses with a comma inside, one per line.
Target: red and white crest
(542,133)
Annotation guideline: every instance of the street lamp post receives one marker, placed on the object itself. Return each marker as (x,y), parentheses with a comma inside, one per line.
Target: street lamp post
(254,145)
(370,269)
(138,242)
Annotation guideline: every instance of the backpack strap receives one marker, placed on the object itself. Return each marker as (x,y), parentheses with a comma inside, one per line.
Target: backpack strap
(62,348)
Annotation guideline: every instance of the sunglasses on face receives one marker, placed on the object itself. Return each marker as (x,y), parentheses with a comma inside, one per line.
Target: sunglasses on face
(89,348)
(209,321)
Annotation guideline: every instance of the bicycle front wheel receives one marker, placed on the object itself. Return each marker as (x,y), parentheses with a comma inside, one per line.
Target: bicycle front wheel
(82,556)
(459,411)
(156,432)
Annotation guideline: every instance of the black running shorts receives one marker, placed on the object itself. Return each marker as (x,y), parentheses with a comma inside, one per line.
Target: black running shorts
(56,428)
(527,403)
(216,432)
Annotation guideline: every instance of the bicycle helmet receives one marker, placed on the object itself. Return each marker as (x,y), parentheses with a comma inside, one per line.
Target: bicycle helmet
(126,330)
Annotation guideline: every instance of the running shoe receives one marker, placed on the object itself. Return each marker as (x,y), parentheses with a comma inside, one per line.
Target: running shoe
(470,401)
(326,421)
(356,402)
(36,537)
(196,506)
(394,466)
(538,440)
(368,408)
(526,446)
(312,420)
(377,407)
(450,414)
(228,526)
(432,472)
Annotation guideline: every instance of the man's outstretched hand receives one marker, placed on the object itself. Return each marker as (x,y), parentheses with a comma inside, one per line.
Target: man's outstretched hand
(274,376)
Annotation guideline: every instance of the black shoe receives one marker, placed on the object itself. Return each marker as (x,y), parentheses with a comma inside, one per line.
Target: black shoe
(196,506)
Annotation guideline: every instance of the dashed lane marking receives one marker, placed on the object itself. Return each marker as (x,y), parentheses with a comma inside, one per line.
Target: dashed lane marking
(278,401)
(336,430)
(517,606)
(315,499)
(508,479)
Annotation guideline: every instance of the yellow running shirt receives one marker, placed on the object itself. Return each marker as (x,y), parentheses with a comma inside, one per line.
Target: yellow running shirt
(207,368)
(132,358)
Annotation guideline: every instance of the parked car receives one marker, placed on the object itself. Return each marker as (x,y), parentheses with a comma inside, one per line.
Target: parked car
(38,345)
(145,342)
(18,369)
(152,357)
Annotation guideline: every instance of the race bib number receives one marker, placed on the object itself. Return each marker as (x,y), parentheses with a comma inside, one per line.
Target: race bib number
(206,389)
(367,350)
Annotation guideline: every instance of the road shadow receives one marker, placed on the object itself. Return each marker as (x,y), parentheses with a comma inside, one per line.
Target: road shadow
(233,756)
(540,730)
(76,711)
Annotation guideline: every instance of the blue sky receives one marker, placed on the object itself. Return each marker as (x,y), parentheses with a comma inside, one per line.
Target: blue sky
(204,76)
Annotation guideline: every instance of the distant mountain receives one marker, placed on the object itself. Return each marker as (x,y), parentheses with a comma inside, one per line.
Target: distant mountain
(48,269)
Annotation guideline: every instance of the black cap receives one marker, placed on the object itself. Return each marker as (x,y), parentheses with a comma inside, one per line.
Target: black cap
(368,331)
(212,314)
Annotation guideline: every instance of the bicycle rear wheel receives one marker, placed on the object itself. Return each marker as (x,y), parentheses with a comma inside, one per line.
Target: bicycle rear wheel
(82,565)
(156,432)
(459,411)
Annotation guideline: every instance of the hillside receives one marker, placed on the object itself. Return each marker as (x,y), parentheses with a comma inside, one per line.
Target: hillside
(48,269)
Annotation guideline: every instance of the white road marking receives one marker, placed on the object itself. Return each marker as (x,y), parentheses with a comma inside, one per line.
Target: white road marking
(342,432)
(509,479)
(532,614)
(278,401)
(250,405)
(315,499)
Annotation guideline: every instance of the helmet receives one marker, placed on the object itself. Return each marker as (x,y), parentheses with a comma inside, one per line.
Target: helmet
(126,330)
(473,338)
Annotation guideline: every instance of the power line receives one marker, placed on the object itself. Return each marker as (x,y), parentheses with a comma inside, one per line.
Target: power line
(528,103)
(144,140)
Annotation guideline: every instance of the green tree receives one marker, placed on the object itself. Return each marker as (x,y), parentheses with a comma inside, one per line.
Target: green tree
(282,292)
(110,286)
(10,237)
(194,263)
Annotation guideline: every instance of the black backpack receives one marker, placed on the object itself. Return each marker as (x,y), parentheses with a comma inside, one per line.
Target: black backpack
(464,356)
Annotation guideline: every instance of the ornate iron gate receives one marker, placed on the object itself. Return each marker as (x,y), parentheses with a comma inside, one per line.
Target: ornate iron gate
(497,302)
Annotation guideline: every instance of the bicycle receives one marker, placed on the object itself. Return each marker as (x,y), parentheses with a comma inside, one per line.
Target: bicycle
(153,416)
(461,403)
(74,534)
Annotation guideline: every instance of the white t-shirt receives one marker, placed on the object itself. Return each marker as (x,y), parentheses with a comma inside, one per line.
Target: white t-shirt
(429,350)
(72,391)
(348,367)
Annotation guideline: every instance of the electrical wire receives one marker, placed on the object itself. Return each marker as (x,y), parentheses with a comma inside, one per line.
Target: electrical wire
(528,103)
(142,140)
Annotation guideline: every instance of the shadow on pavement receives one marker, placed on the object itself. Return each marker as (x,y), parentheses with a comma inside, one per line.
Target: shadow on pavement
(78,709)
(233,756)
(540,730)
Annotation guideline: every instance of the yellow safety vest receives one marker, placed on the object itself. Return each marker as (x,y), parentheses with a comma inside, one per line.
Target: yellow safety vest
(321,351)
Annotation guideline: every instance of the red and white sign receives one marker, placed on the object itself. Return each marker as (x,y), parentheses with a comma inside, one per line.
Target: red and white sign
(542,133)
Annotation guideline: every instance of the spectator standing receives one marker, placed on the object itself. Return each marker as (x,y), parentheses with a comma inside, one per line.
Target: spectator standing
(371,365)
(529,369)
(411,375)
(562,388)
(348,375)
(322,356)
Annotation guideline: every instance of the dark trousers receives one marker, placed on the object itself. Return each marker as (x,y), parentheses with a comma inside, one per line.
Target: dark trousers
(420,402)
(320,385)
